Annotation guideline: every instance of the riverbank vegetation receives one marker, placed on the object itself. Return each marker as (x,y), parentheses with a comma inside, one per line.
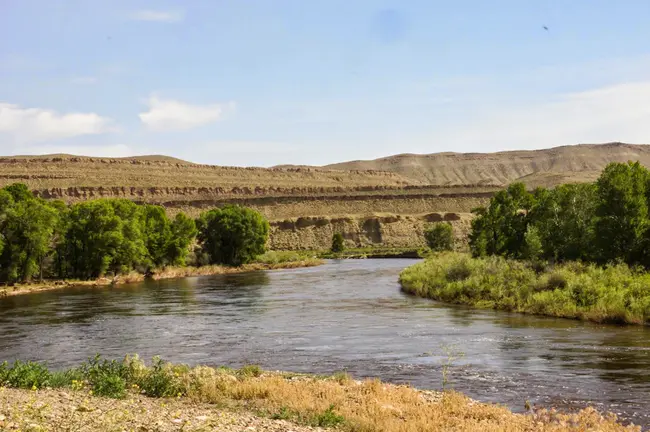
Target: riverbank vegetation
(612,293)
(575,251)
(201,397)
(117,239)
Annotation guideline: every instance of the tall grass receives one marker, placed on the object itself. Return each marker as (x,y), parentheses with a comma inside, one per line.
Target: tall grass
(338,401)
(613,294)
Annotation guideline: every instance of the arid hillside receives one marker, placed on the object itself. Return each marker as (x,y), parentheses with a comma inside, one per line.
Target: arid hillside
(546,167)
(386,202)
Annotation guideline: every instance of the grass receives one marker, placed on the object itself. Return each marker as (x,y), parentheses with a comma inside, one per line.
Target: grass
(268,261)
(373,252)
(611,294)
(331,402)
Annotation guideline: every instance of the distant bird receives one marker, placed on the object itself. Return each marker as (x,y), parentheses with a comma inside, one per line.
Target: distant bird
(545,28)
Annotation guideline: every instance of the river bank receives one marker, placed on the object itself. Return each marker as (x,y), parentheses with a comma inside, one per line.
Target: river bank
(614,294)
(167,273)
(103,395)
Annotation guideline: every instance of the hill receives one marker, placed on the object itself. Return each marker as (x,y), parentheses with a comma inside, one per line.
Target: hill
(548,167)
(385,202)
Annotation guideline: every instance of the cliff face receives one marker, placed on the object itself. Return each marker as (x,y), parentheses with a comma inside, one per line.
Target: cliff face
(385,231)
(386,202)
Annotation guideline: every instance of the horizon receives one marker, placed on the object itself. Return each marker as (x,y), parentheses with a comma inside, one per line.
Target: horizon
(319,83)
(135,156)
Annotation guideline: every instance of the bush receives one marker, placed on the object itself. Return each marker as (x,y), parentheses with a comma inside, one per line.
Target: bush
(440,237)
(107,378)
(24,375)
(328,418)
(233,235)
(573,290)
(160,380)
(338,243)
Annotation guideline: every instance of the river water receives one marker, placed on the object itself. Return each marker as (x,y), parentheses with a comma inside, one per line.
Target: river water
(345,315)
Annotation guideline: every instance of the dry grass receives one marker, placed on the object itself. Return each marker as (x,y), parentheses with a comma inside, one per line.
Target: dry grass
(374,406)
(167,273)
(58,410)
(334,402)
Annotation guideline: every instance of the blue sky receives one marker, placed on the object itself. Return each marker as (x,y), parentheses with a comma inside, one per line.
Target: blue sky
(265,82)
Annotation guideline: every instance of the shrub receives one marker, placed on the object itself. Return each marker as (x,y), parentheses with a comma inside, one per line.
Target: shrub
(458,271)
(160,380)
(107,378)
(615,294)
(328,418)
(24,375)
(440,237)
(65,378)
(338,243)
(250,371)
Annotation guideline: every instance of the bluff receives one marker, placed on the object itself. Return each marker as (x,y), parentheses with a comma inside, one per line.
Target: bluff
(385,202)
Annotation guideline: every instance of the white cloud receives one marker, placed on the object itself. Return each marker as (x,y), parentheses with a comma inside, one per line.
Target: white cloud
(158,16)
(117,150)
(617,112)
(169,114)
(38,124)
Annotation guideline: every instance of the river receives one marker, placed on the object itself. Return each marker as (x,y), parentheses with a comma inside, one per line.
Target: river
(345,315)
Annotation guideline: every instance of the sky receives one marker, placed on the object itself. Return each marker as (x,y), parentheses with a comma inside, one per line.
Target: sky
(267,82)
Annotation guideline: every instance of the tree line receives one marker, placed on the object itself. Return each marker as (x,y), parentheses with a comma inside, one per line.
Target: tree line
(86,240)
(602,222)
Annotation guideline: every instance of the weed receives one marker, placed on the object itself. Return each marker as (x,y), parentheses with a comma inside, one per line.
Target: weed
(107,377)
(28,375)
(160,380)
(283,414)
(250,371)
(328,418)
(451,355)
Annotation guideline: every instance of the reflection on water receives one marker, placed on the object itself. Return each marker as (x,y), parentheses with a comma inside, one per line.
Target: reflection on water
(344,315)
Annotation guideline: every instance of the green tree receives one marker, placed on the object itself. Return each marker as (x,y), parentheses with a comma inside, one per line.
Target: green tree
(564,218)
(440,237)
(233,235)
(103,235)
(157,233)
(338,243)
(27,227)
(622,213)
(499,229)
(183,234)
(533,249)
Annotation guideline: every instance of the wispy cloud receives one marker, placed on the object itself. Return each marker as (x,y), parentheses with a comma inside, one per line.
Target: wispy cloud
(157,15)
(39,124)
(169,114)
(618,112)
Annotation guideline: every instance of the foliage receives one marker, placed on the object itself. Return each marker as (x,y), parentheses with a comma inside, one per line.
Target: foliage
(107,377)
(233,235)
(622,213)
(604,222)
(338,243)
(500,228)
(85,240)
(160,380)
(613,293)
(440,237)
(28,375)
(27,228)
(328,418)
(167,241)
